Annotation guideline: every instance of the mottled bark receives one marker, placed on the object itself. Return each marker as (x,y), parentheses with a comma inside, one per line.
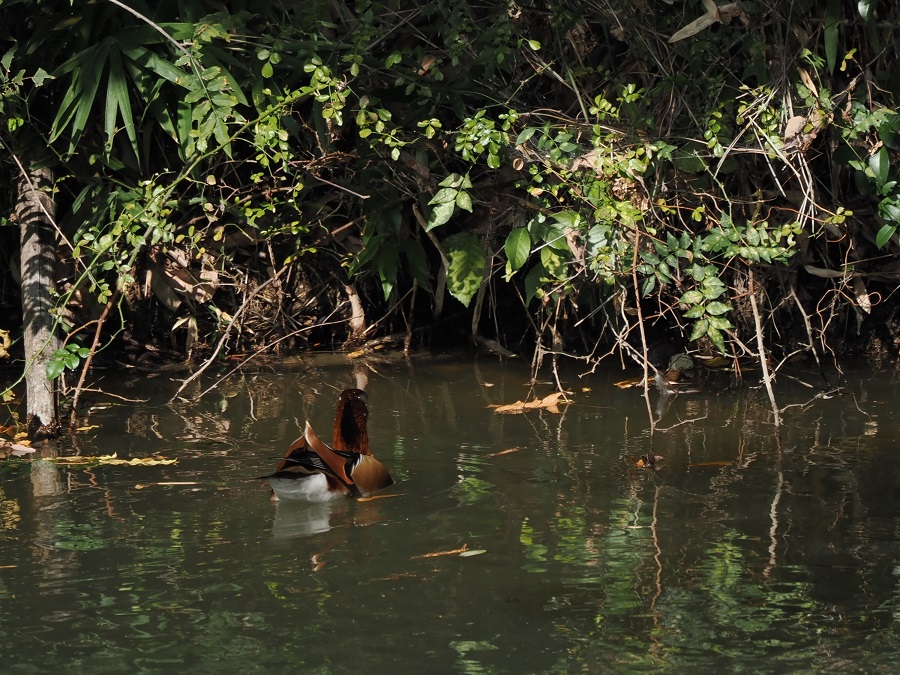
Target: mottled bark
(35,212)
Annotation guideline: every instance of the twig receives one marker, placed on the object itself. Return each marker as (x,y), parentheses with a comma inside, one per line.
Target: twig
(637,302)
(224,337)
(687,421)
(767,378)
(263,349)
(73,415)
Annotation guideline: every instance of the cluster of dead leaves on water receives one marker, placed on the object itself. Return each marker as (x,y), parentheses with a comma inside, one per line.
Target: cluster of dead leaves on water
(113,459)
(19,446)
(549,403)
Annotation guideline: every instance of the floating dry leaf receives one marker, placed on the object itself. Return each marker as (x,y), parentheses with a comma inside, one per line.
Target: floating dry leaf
(114,460)
(374,497)
(437,554)
(141,486)
(503,452)
(476,551)
(549,403)
(88,428)
(630,382)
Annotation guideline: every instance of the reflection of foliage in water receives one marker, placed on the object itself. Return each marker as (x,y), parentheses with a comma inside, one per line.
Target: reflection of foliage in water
(77,537)
(9,512)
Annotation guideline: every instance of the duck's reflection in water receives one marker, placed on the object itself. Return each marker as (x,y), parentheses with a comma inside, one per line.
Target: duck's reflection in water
(302,519)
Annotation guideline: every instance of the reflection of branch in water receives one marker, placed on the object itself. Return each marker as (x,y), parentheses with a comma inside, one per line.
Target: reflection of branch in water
(654,535)
(822,395)
(687,421)
(773,515)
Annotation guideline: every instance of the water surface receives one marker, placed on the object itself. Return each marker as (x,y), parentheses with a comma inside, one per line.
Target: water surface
(732,556)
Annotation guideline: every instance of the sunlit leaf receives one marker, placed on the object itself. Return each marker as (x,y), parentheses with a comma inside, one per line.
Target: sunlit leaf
(517,248)
(441,214)
(467,264)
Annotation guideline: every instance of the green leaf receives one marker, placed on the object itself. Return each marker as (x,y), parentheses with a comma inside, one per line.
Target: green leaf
(692,297)
(717,308)
(719,323)
(699,330)
(418,261)
(55,368)
(39,76)
(880,165)
(386,262)
(517,248)
(533,282)
(884,235)
(526,135)
(695,312)
(553,263)
(464,200)
(832,21)
(148,61)
(865,8)
(716,338)
(446,195)
(117,98)
(440,215)
(467,264)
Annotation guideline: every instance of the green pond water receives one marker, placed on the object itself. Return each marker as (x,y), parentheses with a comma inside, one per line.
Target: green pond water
(731,557)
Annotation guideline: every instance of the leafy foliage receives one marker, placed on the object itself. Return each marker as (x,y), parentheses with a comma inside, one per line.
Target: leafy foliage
(338,141)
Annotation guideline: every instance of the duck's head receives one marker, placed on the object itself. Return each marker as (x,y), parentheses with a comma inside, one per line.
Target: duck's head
(350,422)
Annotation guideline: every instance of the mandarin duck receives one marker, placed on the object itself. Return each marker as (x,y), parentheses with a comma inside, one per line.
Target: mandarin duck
(314,472)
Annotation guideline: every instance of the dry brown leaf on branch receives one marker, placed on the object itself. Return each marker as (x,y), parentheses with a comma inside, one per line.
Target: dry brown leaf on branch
(549,403)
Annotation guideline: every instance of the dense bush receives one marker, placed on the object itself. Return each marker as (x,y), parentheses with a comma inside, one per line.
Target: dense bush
(280,176)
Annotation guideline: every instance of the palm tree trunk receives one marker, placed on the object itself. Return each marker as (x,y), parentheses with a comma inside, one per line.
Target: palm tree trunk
(35,211)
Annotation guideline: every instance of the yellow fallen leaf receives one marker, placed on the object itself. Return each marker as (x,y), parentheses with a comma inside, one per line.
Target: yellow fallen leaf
(630,382)
(88,428)
(115,461)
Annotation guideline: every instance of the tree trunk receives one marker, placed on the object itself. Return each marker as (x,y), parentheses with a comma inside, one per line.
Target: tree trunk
(35,211)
